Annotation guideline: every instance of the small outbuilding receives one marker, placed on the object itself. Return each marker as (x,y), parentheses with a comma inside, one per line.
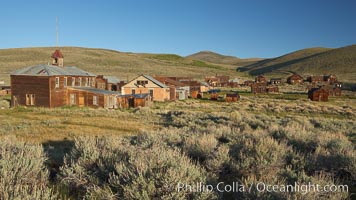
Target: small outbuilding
(295,79)
(318,94)
(232,97)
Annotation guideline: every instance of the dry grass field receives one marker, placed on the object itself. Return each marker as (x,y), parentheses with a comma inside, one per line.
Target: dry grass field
(108,62)
(142,153)
(108,154)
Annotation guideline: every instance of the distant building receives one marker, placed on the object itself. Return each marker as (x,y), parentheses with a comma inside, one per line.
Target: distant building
(276,81)
(263,88)
(232,97)
(249,82)
(318,94)
(110,83)
(260,79)
(145,84)
(295,79)
(217,81)
(332,90)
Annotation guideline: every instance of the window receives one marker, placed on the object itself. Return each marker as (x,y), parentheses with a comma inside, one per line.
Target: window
(65,82)
(151,93)
(72,99)
(57,82)
(73,81)
(95,100)
(133,91)
(89,82)
(86,82)
(141,82)
(30,99)
(93,82)
(80,81)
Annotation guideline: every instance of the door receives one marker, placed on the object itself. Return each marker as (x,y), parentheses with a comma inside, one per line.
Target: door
(131,102)
(81,101)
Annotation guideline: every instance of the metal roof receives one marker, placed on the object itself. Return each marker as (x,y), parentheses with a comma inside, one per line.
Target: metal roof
(154,80)
(95,90)
(51,70)
(112,79)
(139,96)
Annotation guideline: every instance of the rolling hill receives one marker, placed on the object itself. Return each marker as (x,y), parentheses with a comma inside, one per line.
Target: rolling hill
(340,61)
(109,62)
(212,57)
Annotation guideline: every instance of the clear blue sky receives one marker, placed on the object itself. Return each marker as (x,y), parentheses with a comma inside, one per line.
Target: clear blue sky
(247,28)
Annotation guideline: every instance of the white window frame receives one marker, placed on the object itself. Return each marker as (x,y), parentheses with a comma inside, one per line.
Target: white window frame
(65,83)
(80,81)
(72,99)
(73,81)
(56,85)
(95,100)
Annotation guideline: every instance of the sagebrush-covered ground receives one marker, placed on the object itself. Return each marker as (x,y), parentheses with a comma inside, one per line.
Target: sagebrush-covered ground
(143,153)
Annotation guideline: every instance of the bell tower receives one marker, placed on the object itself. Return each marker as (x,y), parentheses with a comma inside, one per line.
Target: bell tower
(57,56)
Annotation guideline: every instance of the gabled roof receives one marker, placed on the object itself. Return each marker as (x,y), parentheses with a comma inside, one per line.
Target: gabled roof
(51,70)
(154,80)
(167,80)
(57,54)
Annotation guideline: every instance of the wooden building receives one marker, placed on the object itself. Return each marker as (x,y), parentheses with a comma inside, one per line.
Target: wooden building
(58,85)
(110,83)
(145,84)
(331,78)
(214,94)
(249,83)
(259,88)
(5,90)
(295,79)
(218,81)
(332,90)
(272,89)
(46,85)
(318,94)
(276,81)
(232,97)
(134,100)
(315,79)
(92,97)
(262,88)
(260,79)
(178,90)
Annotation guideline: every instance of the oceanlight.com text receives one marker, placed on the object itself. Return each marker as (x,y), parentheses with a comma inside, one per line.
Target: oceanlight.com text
(261,187)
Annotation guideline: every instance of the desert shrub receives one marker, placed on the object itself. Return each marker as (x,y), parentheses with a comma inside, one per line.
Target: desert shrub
(257,153)
(200,146)
(114,168)
(22,171)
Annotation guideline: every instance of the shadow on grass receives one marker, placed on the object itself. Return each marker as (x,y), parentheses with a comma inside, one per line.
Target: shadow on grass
(56,150)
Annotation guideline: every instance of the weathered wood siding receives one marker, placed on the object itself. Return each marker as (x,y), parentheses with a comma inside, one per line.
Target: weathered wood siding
(37,85)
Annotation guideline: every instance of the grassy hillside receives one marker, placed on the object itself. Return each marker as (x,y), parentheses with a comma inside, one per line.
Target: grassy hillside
(109,62)
(213,57)
(341,61)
